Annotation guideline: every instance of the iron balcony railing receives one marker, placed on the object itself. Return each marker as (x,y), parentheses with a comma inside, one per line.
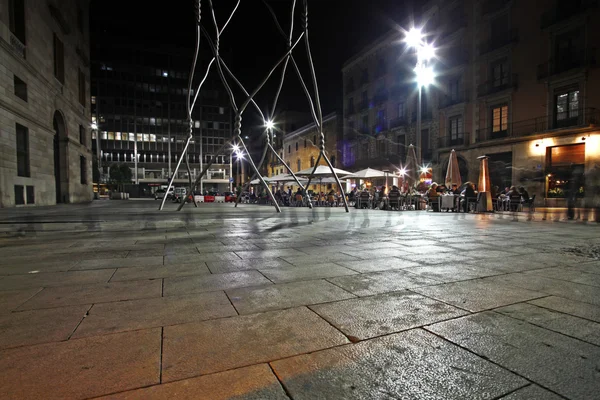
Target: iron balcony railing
(396,122)
(450,100)
(426,115)
(454,140)
(568,120)
(499,40)
(565,10)
(379,127)
(566,63)
(18,46)
(507,81)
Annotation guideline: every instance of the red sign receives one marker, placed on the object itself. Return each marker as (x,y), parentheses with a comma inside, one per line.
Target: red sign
(209,199)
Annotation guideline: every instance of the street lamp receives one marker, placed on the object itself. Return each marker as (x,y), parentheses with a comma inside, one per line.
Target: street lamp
(424,73)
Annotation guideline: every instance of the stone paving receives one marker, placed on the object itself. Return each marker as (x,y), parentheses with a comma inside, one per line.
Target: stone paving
(116,300)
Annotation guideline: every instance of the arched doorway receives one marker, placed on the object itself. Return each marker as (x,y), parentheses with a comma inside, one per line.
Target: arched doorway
(60,162)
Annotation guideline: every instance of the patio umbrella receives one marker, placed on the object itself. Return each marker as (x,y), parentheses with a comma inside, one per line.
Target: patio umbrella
(321,172)
(411,166)
(366,174)
(453,173)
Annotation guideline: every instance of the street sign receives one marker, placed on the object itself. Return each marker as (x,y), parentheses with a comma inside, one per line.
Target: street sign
(230,180)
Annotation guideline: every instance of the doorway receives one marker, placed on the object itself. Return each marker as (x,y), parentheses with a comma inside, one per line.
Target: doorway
(59,157)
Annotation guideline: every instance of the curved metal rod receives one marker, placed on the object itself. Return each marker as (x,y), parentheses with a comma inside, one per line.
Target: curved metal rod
(312,174)
(260,177)
(247,184)
(189,170)
(311,65)
(260,86)
(162,203)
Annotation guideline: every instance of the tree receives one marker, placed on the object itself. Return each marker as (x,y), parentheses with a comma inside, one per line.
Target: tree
(119,175)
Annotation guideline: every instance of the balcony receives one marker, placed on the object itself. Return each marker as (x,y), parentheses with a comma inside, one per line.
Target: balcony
(18,46)
(350,110)
(566,63)
(396,122)
(456,98)
(577,119)
(399,89)
(566,10)
(363,105)
(491,6)
(508,81)
(460,139)
(498,40)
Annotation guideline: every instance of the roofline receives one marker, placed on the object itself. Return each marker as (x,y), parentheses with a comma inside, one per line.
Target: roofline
(310,126)
(370,48)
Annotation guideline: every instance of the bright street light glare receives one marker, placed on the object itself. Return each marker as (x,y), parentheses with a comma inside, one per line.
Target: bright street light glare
(413,37)
(424,170)
(236,148)
(95,126)
(403,172)
(426,52)
(269,124)
(425,75)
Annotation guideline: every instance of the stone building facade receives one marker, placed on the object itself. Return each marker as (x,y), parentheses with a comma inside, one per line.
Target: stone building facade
(514,81)
(45,137)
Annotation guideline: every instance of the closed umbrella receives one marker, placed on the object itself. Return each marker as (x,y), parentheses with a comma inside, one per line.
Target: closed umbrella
(411,166)
(453,173)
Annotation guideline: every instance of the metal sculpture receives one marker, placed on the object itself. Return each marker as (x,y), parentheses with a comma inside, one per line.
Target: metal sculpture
(315,106)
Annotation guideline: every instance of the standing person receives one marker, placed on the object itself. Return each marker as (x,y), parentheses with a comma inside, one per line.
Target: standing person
(592,190)
(575,183)
(468,196)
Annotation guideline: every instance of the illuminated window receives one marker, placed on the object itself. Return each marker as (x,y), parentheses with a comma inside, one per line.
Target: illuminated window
(455,125)
(500,119)
(117,135)
(111,136)
(567,108)
(146,137)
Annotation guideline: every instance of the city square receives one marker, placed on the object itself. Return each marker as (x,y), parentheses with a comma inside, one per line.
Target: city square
(115,299)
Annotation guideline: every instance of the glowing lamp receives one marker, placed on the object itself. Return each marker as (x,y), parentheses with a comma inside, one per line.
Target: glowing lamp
(413,37)
(269,124)
(425,75)
(95,126)
(425,52)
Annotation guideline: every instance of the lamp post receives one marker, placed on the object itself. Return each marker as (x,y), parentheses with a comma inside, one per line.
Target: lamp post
(424,73)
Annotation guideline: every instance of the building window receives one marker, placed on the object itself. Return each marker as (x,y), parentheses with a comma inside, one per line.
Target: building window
(380,121)
(304,143)
(365,124)
(16,12)
(83,170)
(82,95)
(80,22)
(350,108)
(350,84)
(401,110)
(499,121)
(401,150)
(364,76)
(453,89)
(364,100)
(381,148)
(20,88)
(30,194)
(565,167)
(299,165)
(315,140)
(380,67)
(312,161)
(59,60)
(19,195)
(455,129)
(82,134)
(500,73)
(567,108)
(296,146)
(289,148)
(22,151)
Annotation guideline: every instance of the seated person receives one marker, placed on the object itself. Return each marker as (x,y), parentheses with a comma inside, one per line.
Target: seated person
(364,198)
(468,196)
(433,195)
(514,197)
(455,189)
(394,196)
(524,194)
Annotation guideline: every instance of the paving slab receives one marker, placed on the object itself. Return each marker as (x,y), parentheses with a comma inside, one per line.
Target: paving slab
(221,267)
(478,295)
(199,258)
(562,364)
(102,255)
(296,273)
(368,317)
(149,313)
(89,294)
(11,299)
(408,365)
(50,279)
(156,252)
(273,253)
(218,345)
(505,265)
(531,392)
(572,307)
(429,250)
(569,274)
(381,264)
(213,282)
(160,271)
(569,325)
(37,266)
(556,287)
(318,259)
(241,246)
(82,368)
(119,263)
(380,282)
(452,272)
(39,326)
(249,383)
(285,295)
(443,258)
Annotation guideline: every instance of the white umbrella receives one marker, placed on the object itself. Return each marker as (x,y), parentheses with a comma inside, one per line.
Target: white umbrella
(453,173)
(283,178)
(322,171)
(367,173)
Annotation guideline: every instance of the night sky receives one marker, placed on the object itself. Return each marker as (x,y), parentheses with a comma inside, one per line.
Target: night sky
(337,30)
